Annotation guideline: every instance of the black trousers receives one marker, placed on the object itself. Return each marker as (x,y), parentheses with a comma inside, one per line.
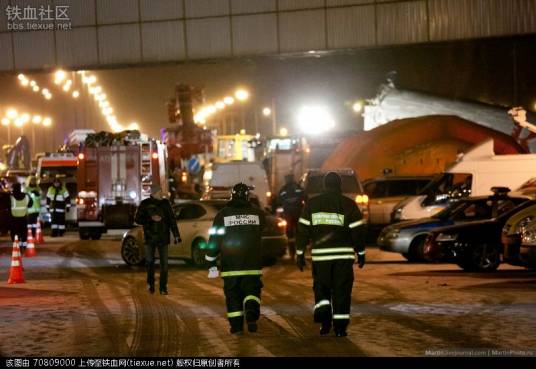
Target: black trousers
(332,286)
(19,227)
(58,222)
(32,222)
(243,297)
(150,250)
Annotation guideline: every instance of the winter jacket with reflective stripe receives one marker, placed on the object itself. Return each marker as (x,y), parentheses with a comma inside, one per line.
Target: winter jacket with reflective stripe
(58,199)
(334,225)
(237,233)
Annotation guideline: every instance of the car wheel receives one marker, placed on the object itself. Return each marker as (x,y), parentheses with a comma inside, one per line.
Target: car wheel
(485,258)
(198,253)
(130,251)
(416,249)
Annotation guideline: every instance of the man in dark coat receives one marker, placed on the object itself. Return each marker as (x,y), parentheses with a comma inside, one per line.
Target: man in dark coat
(236,237)
(156,216)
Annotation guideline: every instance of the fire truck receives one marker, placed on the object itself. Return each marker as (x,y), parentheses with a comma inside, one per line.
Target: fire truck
(50,166)
(113,176)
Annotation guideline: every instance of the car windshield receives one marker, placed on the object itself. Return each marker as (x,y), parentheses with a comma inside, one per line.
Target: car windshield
(447,187)
(315,184)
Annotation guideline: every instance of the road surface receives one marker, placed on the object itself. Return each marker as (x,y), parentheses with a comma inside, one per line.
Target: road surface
(80,299)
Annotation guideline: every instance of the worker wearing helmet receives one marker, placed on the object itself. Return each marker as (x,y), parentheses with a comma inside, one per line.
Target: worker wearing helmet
(335,226)
(33,190)
(236,237)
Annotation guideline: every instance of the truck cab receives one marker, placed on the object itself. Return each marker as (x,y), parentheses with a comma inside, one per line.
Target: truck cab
(64,165)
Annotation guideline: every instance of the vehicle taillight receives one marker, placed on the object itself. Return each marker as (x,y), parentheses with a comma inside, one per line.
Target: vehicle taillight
(282,223)
(362,199)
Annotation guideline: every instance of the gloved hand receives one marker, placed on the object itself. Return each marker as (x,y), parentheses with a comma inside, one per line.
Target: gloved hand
(361,260)
(177,240)
(213,272)
(300,261)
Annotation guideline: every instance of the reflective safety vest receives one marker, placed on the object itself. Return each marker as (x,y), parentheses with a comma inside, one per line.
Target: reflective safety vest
(19,208)
(36,202)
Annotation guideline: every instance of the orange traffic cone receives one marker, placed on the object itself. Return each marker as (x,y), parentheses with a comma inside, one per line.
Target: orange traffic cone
(39,234)
(30,247)
(15,273)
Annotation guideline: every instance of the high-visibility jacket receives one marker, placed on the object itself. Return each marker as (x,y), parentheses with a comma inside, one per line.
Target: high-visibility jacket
(19,208)
(237,234)
(35,195)
(334,225)
(58,199)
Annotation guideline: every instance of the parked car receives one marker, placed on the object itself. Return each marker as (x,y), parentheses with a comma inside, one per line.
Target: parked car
(511,234)
(474,246)
(408,237)
(312,183)
(194,220)
(385,192)
(527,252)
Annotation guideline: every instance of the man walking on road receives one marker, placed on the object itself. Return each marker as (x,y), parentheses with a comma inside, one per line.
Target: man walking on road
(156,216)
(236,235)
(335,226)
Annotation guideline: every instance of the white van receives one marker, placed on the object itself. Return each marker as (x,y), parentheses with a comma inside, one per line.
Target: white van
(226,175)
(474,175)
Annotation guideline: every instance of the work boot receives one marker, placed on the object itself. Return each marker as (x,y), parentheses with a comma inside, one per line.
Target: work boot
(341,333)
(252,327)
(325,328)
(150,288)
(237,331)
(163,292)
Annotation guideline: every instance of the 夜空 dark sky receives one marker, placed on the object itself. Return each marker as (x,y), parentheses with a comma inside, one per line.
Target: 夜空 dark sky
(495,71)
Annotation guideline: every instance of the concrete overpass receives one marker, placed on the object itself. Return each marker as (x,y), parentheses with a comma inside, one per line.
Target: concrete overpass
(106,33)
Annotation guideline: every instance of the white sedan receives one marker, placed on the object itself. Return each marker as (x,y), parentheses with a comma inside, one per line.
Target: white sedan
(194,220)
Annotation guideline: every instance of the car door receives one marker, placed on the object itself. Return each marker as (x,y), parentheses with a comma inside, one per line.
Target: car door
(376,192)
(188,220)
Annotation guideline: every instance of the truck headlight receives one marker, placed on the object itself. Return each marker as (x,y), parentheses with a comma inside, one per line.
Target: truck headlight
(442,237)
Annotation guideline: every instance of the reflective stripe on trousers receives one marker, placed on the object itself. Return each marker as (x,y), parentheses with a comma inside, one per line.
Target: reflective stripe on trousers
(238,273)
